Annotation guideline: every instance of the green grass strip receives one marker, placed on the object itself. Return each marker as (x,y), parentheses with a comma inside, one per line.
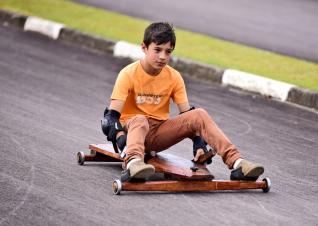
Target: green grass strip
(190,45)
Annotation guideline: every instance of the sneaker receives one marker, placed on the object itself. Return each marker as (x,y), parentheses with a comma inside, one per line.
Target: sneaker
(247,171)
(140,170)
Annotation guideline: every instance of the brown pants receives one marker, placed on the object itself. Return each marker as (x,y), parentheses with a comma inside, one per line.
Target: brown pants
(147,134)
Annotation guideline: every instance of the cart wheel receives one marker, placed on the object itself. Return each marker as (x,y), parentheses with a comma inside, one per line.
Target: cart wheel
(80,158)
(268,185)
(116,187)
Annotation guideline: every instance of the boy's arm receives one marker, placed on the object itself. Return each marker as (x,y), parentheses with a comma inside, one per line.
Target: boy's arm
(117,105)
(183,107)
(111,125)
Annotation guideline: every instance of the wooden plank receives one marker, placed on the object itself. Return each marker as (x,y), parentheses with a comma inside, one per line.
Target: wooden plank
(179,167)
(174,166)
(192,185)
(107,150)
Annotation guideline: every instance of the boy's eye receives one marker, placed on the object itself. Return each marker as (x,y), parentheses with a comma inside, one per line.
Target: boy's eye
(167,51)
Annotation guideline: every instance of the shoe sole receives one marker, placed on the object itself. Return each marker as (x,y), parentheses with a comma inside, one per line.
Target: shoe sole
(143,174)
(255,172)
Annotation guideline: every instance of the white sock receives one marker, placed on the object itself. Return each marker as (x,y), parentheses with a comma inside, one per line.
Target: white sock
(131,161)
(237,162)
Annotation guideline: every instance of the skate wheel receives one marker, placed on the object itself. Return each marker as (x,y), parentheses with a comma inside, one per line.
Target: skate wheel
(116,187)
(268,185)
(80,158)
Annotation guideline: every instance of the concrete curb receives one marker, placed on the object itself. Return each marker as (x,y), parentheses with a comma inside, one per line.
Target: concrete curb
(12,19)
(254,83)
(81,39)
(228,77)
(45,27)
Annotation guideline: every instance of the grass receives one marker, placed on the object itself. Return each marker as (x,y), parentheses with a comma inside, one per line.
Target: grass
(190,45)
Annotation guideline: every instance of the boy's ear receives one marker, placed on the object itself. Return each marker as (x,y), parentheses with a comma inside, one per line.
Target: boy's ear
(143,47)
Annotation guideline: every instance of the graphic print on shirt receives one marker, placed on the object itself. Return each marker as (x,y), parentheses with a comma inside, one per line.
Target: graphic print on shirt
(147,98)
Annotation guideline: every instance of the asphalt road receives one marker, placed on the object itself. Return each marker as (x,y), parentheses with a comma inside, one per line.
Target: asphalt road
(51,100)
(284,26)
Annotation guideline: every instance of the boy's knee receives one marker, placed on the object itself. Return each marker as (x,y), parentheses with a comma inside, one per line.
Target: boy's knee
(141,120)
(200,112)
(200,115)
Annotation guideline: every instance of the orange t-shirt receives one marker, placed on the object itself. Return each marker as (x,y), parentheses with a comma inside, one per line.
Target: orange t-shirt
(148,95)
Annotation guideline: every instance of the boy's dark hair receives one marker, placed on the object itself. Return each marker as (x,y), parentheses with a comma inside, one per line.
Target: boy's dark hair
(159,33)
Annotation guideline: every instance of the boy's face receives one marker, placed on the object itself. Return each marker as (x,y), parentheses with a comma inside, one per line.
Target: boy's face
(157,56)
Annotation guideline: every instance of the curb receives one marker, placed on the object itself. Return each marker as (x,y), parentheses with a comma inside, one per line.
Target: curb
(233,78)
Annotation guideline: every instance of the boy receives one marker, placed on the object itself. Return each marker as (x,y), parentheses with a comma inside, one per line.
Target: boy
(139,110)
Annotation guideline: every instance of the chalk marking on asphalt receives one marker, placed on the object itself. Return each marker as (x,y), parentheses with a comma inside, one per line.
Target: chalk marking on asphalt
(195,209)
(255,83)
(47,128)
(269,213)
(46,27)
(30,187)
(249,127)
(286,115)
(126,49)
(295,116)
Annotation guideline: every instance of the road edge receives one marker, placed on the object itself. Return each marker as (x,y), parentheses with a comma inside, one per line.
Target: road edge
(228,77)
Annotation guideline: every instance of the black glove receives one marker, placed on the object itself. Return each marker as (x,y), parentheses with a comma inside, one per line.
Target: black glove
(110,124)
(198,143)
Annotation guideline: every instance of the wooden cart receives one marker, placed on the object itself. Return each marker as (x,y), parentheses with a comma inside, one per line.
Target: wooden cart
(179,174)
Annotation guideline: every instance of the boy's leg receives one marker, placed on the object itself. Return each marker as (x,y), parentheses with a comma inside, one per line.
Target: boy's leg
(137,129)
(189,124)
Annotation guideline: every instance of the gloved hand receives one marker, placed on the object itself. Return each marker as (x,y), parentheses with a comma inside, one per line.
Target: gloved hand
(110,124)
(199,143)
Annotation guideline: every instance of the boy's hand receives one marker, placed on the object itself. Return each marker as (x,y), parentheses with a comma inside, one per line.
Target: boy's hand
(198,143)
(199,148)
